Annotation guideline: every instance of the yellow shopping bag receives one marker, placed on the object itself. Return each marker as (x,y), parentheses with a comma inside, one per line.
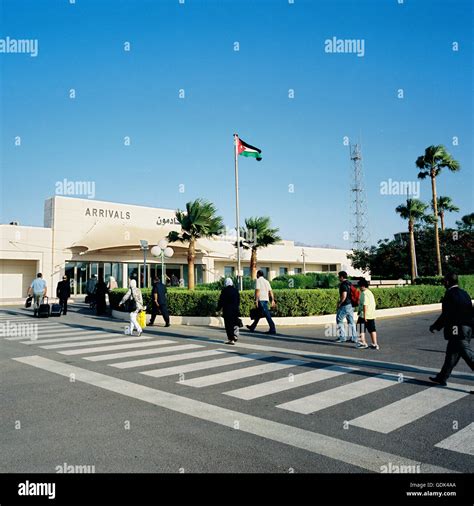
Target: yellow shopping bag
(141,319)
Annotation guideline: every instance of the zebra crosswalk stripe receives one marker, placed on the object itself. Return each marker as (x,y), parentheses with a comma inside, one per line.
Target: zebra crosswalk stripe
(407,410)
(288,382)
(328,398)
(247,372)
(112,347)
(49,334)
(199,366)
(137,353)
(168,358)
(76,336)
(98,341)
(461,441)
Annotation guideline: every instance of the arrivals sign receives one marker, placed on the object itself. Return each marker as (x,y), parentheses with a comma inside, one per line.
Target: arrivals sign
(107,213)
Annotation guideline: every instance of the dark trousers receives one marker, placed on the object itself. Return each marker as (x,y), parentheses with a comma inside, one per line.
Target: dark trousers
(231,325)
(163,309)
(456,349)
(266,312)
(63,304)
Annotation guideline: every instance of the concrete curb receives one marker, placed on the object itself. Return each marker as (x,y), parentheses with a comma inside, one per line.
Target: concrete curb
(218,321)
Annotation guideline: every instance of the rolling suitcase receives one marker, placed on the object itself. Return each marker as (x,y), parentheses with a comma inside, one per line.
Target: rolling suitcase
(56,310)
(44,309)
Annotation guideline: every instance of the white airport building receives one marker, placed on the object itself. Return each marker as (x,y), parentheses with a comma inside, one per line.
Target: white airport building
(82,237)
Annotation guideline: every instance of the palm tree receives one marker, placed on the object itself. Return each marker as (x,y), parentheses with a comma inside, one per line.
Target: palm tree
(466,223)
(413,211)
(198,221)
(445,205)
(259,234)
(430,164)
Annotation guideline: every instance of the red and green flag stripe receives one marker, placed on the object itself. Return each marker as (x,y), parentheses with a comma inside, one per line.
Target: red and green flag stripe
(245,149)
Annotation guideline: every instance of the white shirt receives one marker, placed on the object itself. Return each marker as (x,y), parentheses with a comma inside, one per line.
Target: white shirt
(264,286)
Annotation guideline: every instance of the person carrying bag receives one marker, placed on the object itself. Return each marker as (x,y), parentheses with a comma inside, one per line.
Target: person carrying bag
(134,306)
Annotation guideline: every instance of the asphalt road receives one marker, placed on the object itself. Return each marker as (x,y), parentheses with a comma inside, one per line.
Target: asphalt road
(295,402)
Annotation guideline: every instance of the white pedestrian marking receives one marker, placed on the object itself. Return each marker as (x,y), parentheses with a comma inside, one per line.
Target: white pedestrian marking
(347,360)
(72,337)
(409,409)
(52,334)
(328,398)
(167,358)
(113,347)
(199,366)
(152,351)
(462,441)
(98,341)
(357,455)
(288,382)
(246,372)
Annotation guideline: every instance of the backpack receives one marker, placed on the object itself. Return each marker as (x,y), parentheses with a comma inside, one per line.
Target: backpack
(355,296)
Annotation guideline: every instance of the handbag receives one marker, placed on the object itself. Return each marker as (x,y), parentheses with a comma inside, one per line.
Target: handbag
(141,319)
(28,301)
(255,313)
(131,303)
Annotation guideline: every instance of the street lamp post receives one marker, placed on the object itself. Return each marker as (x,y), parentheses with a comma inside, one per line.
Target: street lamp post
(303,254)
(162,251)
(144,247)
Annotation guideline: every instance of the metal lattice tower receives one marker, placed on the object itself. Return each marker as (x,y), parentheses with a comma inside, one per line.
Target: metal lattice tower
(359,224)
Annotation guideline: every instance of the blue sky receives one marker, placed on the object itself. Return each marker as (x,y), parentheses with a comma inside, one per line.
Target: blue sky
(188,141)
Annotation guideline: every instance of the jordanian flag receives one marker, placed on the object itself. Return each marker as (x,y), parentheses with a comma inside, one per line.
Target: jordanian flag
(245,149)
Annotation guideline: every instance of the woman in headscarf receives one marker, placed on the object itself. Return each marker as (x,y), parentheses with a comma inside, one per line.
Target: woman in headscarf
(112,284)
(135,305)
(229,302)
(100,293)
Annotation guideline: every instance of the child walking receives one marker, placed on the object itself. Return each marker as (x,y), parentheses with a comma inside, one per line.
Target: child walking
(366,320)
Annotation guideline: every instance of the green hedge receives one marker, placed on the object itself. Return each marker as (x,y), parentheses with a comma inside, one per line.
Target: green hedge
(429,280)
(308,280)
(247,282)
(290,302)
(466,282)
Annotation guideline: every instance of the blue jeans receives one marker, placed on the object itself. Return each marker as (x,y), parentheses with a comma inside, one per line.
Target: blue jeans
(344,312)
(266,312)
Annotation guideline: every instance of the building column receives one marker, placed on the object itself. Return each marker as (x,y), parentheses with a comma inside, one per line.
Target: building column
(124,276)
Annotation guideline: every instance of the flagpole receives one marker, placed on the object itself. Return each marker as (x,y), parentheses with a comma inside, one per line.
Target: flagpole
(237,212)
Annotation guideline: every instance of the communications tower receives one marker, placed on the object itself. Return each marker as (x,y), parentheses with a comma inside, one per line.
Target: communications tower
(359,223)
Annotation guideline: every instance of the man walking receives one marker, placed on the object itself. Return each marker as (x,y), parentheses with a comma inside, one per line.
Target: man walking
(456,319)
(345,310)
(159,303)
(63,292)
(263,297)
(38,290)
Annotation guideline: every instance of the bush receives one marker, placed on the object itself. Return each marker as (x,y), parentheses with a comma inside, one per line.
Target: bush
(247,282)
(466,282)
(308,280)
(429,280)
(386,298)
(290,302)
